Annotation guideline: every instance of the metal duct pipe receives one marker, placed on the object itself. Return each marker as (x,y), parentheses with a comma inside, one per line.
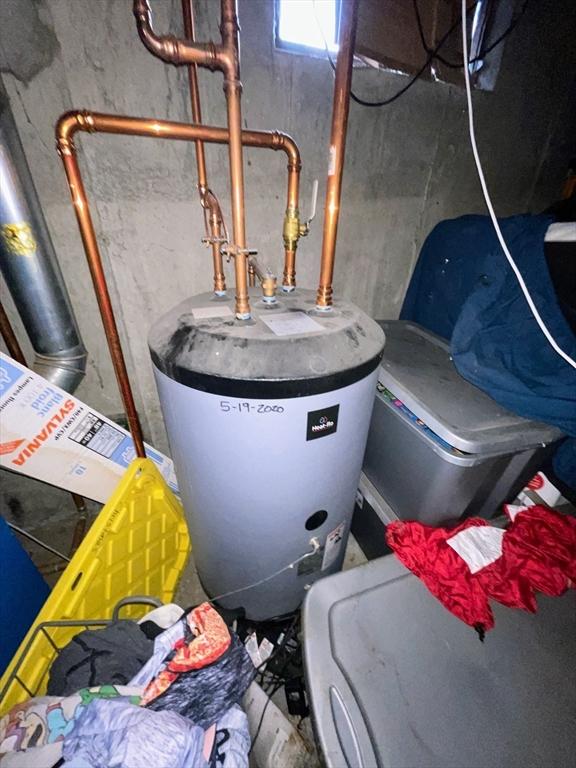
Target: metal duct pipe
(30,269)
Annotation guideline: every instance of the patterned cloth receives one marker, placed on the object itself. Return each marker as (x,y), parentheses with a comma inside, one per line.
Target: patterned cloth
(201,694)
(47,720)
(117,734)
(205,638)
(232,740)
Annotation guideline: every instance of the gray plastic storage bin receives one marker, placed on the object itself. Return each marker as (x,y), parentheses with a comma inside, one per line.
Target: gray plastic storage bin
(396,681)
(438,447)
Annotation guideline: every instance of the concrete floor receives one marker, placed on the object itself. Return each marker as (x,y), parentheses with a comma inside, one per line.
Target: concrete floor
(47,513)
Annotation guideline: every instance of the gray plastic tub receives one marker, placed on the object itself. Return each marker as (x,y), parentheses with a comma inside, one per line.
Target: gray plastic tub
(396,681)
(438,447)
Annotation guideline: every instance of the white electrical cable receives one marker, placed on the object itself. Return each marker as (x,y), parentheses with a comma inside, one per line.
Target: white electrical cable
(315,548)
(507,253)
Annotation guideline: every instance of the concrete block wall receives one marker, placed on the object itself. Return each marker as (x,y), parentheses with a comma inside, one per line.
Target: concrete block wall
(408,165)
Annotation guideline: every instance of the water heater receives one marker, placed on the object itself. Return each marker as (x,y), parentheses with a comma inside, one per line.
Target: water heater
(267,421)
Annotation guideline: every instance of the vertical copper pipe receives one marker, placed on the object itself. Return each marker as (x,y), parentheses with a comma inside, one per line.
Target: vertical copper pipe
(82,211)
(189,31)
(7,333)
(207,197)
(214,225)
(341,105)
(230,56)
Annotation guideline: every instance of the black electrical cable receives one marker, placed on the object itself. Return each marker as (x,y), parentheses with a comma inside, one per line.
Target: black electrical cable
(276,689)
(412,80)
(484,51)
(262,668)
(432,54)
(279,680)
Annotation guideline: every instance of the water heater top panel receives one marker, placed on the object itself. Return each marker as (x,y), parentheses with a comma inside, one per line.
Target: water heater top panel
(288,348)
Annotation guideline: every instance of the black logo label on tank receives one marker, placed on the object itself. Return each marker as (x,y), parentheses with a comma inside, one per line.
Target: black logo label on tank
(323,422)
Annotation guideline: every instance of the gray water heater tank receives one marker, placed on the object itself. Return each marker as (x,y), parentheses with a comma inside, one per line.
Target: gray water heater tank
(267,421)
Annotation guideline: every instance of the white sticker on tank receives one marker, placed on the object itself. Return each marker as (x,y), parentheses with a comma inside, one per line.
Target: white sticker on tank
(291,323)
(334,542)
(218,310)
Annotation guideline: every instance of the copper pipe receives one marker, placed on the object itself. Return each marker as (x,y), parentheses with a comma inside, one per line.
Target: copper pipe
(189,32)
(225,57)
(7,333)
(91,122)
(233,91)
(82,211)
(289,276)
(208,199)
(216,240)
(340,109)
(169,48)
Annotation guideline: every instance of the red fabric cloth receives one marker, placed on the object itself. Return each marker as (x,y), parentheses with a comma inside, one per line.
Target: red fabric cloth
(538,554)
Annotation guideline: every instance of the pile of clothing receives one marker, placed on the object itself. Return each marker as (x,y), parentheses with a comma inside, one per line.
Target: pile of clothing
(164,692)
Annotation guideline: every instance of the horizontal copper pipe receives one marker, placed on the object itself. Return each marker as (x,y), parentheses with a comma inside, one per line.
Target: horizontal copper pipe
(340,109)
(96,122)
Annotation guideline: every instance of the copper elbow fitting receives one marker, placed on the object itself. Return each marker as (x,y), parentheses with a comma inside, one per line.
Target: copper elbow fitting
(68,125)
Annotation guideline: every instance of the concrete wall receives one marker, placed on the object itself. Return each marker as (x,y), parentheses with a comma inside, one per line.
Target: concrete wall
(408,165)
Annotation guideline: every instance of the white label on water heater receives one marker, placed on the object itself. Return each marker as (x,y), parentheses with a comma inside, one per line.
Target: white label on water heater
(218,310)
(333,545)
(291,323)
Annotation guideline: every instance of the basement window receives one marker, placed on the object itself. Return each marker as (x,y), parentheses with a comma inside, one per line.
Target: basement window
(307,26)
(394,35)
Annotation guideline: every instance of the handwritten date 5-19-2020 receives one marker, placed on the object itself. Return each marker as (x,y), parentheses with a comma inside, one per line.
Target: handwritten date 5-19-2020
(228,407)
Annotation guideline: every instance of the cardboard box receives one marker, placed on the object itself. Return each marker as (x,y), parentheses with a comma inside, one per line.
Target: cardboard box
(49,435)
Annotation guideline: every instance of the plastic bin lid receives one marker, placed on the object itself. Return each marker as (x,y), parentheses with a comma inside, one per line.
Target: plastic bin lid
(394,679)
(417,368)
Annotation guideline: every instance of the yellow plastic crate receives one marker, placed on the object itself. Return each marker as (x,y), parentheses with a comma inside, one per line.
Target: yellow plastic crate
(138,545)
